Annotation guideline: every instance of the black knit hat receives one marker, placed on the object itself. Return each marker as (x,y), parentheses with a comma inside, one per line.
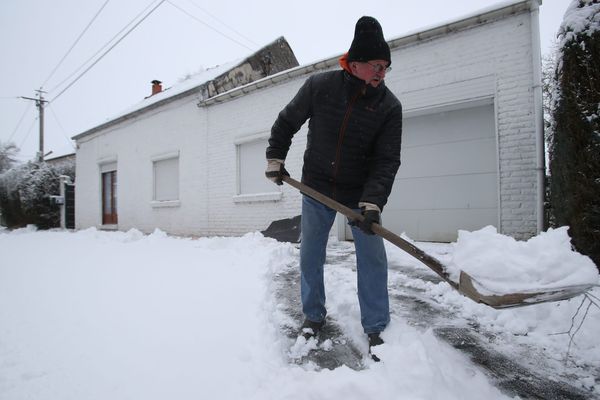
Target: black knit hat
(368,43)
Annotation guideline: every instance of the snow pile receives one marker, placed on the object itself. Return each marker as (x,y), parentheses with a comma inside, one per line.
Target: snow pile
(564,330)
(505,265)
(28,229)
(578,20)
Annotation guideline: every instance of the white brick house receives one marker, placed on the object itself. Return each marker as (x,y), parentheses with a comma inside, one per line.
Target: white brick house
(472,153)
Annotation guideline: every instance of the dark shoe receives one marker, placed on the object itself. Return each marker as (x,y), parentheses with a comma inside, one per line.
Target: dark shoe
(374,340)
(310,328)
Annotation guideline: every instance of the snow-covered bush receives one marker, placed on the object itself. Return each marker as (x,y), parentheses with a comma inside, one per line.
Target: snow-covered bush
(25,194)
(575,132)
(8,151)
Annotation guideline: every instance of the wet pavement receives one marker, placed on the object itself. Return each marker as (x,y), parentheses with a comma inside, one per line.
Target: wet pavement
(341,352)
(525,375)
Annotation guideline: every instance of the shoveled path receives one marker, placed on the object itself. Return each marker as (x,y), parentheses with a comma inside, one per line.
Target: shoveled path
(524,375)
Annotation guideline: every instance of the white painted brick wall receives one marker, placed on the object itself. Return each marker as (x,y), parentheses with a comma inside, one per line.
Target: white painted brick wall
(492,61)
(247,116)
(179,126)
(501,51)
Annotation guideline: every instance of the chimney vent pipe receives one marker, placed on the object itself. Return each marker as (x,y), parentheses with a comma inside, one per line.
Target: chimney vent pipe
(156,87)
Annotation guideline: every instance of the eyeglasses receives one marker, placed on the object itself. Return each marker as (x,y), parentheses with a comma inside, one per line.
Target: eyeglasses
(380,67)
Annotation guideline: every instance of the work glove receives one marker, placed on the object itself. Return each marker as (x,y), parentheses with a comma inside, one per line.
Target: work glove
(275,170)
(371,213)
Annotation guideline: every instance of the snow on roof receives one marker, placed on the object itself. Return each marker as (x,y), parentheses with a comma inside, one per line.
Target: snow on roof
(189,83)
(579,20)
(61,151)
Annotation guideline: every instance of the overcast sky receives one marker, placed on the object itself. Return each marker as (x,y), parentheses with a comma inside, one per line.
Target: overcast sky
(178,38)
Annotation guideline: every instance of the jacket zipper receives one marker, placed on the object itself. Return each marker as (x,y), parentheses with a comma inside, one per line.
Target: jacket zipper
(341,139)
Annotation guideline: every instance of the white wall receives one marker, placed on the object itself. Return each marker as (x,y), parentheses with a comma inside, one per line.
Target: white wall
(249,116)
(178,127)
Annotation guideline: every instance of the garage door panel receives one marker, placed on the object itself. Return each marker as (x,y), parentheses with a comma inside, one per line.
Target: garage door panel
(449,159)
(437,225)
(448,179)
(449,126)
(464,191)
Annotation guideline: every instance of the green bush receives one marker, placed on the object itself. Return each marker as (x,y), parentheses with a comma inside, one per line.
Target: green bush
(575,134)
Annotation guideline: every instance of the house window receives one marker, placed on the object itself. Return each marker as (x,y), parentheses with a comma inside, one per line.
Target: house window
(251,168)
(166,179)
(109,198)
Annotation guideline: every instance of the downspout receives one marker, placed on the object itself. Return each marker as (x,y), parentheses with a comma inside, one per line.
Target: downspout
(538,112)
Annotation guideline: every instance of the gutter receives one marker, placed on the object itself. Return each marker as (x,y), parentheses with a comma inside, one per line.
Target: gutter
(270,81)
(538,112)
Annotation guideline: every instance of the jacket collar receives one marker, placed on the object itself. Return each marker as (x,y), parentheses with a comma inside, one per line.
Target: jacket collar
(356,83)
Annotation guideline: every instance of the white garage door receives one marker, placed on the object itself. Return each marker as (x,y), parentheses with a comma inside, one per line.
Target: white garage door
(448,179)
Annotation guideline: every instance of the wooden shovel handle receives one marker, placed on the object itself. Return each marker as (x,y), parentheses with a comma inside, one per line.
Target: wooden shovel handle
(408,247)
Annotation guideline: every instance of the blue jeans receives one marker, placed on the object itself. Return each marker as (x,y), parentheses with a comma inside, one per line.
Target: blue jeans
(371,262)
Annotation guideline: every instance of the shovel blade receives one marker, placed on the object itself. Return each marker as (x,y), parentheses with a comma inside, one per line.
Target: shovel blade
(474,290)
(467,285)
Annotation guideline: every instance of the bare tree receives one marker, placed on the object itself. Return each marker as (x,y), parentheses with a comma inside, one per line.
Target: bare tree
(548,86)
(8,151)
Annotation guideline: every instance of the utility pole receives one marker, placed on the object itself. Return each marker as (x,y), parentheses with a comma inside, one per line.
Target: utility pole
(39,102)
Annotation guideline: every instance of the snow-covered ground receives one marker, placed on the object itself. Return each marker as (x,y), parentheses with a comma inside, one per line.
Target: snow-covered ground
(99,315)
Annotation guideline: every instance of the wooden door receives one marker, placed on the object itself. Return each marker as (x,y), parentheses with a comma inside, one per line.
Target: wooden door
(69,206)
(109,198)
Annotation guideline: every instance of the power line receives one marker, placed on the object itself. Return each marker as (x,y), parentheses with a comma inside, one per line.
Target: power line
(107,51)
(209,26)
(76,41)
(28,132)
(64,132)
(20,121)
(103,47)
(223,23)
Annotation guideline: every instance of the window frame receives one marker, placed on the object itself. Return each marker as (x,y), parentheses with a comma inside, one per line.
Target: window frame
(156,159)
(275,194)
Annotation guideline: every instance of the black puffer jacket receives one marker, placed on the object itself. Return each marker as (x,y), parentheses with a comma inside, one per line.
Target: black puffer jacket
(354,137)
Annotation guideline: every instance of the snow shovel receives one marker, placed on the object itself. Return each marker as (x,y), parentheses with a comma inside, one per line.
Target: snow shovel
(466,285)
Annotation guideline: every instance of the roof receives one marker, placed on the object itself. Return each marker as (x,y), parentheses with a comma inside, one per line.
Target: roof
(63,157)
(272,58)
(185,88)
